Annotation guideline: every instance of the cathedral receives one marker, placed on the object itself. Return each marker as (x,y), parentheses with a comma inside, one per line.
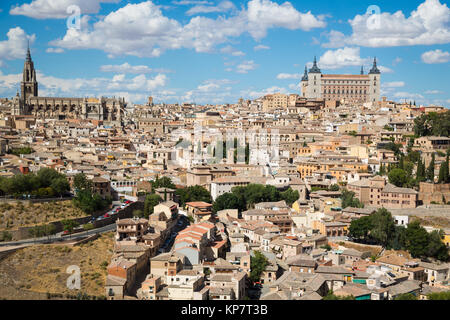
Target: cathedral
(30,103)
(359,88)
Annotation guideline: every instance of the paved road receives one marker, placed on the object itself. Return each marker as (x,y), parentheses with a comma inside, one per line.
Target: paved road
(56,238)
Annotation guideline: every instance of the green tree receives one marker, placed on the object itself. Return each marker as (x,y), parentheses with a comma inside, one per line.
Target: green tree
(360,228)
(416,240)
(349,200)
(383,226)
(258,264)
(331,296)
(439,295)
(193,193)
(150,202)
(138,213)
(60,185)
(406,296)
(164,182)
(444,171)
(420,177)
(334,187)
(227,201)
(81,182)
(430,169)
(290,196)
(398,177)
(436,247)
(69,225)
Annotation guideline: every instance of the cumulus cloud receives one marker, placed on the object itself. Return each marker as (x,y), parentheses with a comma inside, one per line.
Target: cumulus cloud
(210,91)
(54,50)
(246,66)
(261,47)
(101,86)
(223,6)
(433,92)
(143,30)
(230,50)
(347,57)
(252,94)
(336,59)
(407,95)
(15,47)
(127,68)
(286,76)
(394,84)
(436,56)
(57,9)
(427,25)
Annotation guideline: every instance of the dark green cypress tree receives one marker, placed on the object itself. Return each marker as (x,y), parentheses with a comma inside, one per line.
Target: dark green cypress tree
(430,170)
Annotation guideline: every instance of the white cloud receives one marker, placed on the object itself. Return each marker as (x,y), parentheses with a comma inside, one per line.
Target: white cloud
(223,6)
(433,92)
(427,25)
(15,47)
(407,95)
(394,84)
(232,51)
(127,68)
(261,47)
(246,66)
(265,14)
(142,29)
(252,94)
(54,86)
(57,9)
(336,59)
(54,50)
(436,56)
(384,69)
(285,76)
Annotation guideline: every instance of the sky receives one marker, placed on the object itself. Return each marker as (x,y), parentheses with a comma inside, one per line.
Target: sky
(217,51)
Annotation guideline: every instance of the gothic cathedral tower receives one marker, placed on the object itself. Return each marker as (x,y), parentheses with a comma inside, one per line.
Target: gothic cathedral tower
(29,85)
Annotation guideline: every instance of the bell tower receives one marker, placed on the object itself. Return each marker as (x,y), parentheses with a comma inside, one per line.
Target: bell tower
(29,85)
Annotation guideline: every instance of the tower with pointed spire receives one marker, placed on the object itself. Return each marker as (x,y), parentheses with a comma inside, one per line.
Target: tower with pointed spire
(29,84)
(312,86)
(375,82)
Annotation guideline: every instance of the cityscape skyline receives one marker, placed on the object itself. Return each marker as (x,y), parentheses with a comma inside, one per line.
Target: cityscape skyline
(235,49)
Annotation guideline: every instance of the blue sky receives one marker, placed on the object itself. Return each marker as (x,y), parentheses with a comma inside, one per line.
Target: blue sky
(216,51)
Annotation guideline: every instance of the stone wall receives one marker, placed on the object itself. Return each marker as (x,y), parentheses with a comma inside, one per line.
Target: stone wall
(430,192)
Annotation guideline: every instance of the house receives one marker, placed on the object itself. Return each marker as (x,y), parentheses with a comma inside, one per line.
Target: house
(301,263)
(120,279)
(292,285)
(404,287)
(235,282)
(166,264)
(199,211)
(133,229)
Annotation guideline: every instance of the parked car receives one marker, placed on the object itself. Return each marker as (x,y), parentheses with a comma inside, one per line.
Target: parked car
(106,215)
(65,232)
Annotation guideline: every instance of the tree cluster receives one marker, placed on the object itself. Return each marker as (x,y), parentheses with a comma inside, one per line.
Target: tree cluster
(45,183)
(86,199)
(433,124)
(379,228)
(244,198)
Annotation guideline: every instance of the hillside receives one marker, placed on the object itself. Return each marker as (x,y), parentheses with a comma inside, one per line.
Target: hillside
(33,271)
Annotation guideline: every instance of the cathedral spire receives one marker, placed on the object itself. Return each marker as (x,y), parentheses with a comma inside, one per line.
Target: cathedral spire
(374,69)
(28,52)
(362,70)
